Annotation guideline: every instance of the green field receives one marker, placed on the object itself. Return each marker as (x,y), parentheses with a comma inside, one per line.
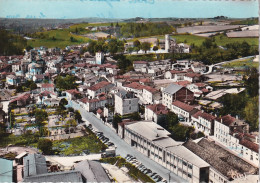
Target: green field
(62,39)
(222,40)
(241,63)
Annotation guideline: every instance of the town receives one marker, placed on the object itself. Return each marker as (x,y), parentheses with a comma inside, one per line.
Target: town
(115,102)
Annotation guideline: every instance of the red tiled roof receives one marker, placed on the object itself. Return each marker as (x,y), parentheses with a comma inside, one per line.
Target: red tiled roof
(73,91)
(47,85)
(150,89)
(99,85)
(158,108)
(200,84)
(177,72)
(204,90)
(46,93)
(227,120)
(135,85)
(99,111)
(197,114)
(183,106)
(207,116)
(192,75)
(250,145)
(182,83)
(22,97)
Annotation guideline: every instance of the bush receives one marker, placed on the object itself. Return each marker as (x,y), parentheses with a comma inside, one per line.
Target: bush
(45,145)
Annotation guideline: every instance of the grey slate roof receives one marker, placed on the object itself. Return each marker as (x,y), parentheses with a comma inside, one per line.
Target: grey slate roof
(92,171)
(37,164)
(67,176)
(172,88)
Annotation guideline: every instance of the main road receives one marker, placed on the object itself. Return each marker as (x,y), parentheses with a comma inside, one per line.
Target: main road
(122,147)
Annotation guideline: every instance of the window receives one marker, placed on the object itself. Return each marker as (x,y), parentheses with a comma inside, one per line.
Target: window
(251,157)
(190,166)
(189,175)
(129,101)
(184,163)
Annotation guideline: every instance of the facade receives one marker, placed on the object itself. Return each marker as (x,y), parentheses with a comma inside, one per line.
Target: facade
(149,95)
(12,80)
(183,110)
(233,134)
(72,94)
(203,122)
(154,142)
(99,58)
(101,87)
(47,87)
(138,65)
(175,75)
(125,103)
(155,112)
(176,92)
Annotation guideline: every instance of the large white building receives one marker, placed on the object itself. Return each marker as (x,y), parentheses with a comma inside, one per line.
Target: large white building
(233,134)
(153,141)
(125,102)
(101,87)
(155,112)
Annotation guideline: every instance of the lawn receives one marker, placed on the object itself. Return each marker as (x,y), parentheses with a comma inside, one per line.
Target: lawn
(61,39)
(26,139)
(223,40)
(133,171)
(242,63)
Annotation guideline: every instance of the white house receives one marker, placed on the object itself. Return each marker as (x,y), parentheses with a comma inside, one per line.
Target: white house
(183,110)
(203,122)
(138,65)
(175,75)
(125,103)
(101,87)
(155,112)
(47,87)
(150,95)
(233,134)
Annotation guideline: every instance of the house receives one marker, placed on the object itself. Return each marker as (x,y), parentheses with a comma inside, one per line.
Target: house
(12,80)
(21,100)
(138,65)
(135,87)
(93,104)
(72,94)
(34,164)
(151,95)
(99,58)
(101,87)
(198,67)
(155,112)
(232,133)
(192,77)
(34,69)
(175,75)
(154,142)
(38,78)
(47,87)
(183,48)
(126,103)
(176,92)
(92,171)
(181,65)
(203,122)
(184,111)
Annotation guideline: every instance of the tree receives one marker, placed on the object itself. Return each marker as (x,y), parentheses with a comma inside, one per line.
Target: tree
(53,38)
(71,122)
(251,113)
(155,48)
(146,46)
(77,116)
(45,145)
(116,119)
(40,117)
(63,102)
(136,116)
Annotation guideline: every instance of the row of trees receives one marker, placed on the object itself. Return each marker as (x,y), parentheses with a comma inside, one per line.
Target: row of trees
(112,46)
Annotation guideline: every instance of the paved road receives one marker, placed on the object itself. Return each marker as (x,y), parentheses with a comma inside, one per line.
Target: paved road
(122,147)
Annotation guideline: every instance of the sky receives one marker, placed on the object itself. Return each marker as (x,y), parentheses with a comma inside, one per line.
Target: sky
(127,8)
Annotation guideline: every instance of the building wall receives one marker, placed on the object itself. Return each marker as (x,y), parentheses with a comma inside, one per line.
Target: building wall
(222,135)
(125,106)
(181,112)
(150,115)
(167,100)
(147,96)
(168,159)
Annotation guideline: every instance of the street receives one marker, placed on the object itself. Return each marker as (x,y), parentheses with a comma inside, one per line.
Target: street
(122,147)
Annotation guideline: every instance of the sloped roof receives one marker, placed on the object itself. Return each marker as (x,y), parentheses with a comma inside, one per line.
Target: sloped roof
(92,171)
(172,88)
(183,106)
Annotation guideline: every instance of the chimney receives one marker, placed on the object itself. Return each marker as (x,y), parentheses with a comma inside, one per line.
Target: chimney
(221,120)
